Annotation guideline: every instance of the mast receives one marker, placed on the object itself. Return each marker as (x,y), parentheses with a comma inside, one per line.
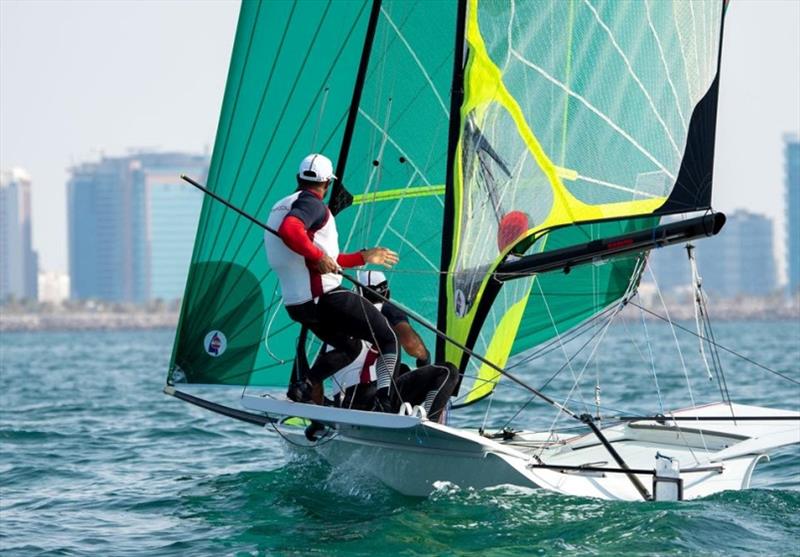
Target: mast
(340,197)
(456,99)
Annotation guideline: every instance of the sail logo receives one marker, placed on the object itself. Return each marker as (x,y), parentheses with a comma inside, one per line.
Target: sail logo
(215,343)
(461,303)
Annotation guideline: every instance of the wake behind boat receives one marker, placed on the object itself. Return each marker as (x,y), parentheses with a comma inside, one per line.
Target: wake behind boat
(523,176)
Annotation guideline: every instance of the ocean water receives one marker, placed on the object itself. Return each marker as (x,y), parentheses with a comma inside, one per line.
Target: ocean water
(94,460)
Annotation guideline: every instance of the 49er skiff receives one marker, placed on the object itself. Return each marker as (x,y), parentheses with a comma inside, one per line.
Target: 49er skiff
(520,155)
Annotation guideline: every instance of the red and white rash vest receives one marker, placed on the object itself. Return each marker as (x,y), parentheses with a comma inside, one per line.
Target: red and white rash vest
(360,371)
(307,232)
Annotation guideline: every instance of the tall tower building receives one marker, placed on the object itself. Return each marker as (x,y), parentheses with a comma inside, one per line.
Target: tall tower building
(131,226)
(18,261)
(105,214)
(792,198)
(172,209)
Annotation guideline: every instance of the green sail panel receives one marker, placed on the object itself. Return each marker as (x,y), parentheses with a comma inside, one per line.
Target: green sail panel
(289,87)
(398,156)
(396,170)
(574,111)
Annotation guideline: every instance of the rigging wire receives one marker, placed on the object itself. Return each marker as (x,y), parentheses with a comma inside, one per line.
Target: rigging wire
(652,362)
(319,118)
(680,355)
(629,293)
(585,365)
(718,345)
(569,336)
(697,301)
(595,305)
(558,336)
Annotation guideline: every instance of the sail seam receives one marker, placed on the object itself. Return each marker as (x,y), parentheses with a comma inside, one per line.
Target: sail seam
(595,110)
(635,77)
(416,60)
(664,62)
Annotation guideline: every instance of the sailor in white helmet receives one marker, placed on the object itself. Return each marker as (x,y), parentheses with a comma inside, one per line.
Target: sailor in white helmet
(306,260)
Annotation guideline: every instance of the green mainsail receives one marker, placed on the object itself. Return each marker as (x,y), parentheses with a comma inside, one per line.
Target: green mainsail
(560,121)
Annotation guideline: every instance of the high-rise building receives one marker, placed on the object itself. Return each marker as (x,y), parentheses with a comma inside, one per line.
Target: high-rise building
(792,198)
(18,261)
(131,226)
(104,219)
(172,209)
(737,262)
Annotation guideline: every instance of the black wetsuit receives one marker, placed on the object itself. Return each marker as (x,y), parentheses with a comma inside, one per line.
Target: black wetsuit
(339,317)
(430,385)
(362,396)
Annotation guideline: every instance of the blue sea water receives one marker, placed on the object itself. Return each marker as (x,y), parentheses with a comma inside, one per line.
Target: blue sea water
(94,460)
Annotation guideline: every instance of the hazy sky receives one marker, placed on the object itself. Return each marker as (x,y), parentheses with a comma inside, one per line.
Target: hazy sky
(80,78)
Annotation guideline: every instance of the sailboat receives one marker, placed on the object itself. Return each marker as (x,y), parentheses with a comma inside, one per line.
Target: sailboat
(521,157)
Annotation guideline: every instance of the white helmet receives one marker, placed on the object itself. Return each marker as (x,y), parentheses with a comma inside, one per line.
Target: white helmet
(316,168)
(371,278)
(375,281)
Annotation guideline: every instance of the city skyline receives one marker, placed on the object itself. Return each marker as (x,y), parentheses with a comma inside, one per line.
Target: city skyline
(725,262)
(131,226)
(173,85)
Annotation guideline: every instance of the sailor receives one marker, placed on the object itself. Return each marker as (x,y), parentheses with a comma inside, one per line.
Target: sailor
(429,386)
(354,385)
(307,262)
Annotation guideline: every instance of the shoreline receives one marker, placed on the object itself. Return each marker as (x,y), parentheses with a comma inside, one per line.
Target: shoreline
(86,321)
(733,310)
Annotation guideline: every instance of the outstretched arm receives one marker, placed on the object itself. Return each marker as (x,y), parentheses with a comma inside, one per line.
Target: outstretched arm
(412,343)
(381,256)
(377,256)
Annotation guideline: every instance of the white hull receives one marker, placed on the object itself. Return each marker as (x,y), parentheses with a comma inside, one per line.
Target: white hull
(412,458)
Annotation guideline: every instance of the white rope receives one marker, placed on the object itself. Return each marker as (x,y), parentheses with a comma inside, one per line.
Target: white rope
(652,361)
(560,341)
(697,302)
(267,333)
(680,355)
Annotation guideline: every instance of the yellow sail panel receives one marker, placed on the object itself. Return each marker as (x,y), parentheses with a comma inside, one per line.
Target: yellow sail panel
(397,194)
(565,127)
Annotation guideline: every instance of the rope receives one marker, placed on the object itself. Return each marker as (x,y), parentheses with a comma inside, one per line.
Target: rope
(680,355)
(269,326)
(697,302)
(652,362)
(558,336)
(718,345)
